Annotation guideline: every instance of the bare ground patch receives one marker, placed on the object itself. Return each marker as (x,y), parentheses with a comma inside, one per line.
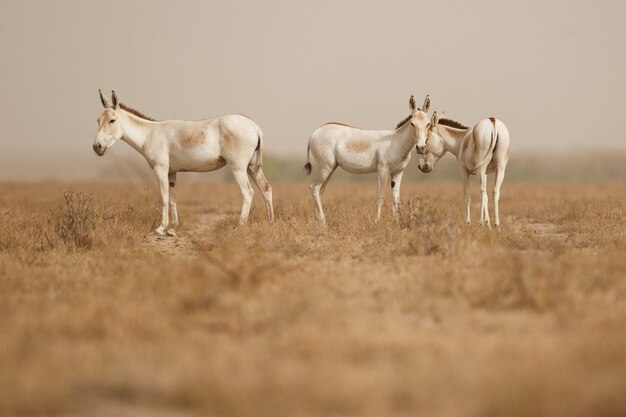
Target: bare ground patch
(200,228)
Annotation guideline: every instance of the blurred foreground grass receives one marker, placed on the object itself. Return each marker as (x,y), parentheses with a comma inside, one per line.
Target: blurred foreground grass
(426,316)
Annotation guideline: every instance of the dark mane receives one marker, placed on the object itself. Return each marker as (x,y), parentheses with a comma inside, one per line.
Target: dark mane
(452,123)
(136,112)
(401,123)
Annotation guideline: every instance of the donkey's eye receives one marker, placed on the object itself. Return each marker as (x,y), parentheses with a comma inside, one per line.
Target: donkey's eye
(428,126)
(112,121)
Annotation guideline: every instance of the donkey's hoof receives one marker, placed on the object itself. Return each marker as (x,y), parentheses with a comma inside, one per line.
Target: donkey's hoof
(171,232)
(159,232)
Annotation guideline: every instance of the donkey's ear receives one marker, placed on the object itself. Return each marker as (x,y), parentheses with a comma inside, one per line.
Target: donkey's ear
(412,104)
(114,99)
(426,105)
(103,99)
(434,120)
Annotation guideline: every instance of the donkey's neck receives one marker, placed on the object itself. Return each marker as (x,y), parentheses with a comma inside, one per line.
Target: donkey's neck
(451,138)
(403,141)
(136,130)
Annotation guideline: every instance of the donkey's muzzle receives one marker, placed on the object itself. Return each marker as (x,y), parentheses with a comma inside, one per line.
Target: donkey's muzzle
(99,149)
(425,169)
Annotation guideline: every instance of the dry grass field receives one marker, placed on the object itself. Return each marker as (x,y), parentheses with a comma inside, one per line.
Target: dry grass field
(425,316)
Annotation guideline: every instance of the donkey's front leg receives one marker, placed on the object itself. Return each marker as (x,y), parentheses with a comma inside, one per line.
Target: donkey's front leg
(467,197)
(161,174)
(172,196)
(383,179)
(396,179)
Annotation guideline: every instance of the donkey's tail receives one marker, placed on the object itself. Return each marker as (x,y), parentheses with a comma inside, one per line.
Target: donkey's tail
(307,167)
(259,149)
(492,145)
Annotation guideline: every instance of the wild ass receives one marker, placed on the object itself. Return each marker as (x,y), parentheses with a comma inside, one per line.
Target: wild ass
(480,150)
(360,151)
(178,146)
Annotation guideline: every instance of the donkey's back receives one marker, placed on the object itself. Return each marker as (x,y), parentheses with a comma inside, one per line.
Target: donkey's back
(349,147)
(206,145)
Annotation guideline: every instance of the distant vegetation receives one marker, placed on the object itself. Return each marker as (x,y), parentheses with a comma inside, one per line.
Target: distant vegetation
(523,166)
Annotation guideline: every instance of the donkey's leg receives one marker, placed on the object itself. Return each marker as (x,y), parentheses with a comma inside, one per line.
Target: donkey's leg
(322,176)
(246,192)
(496,193)
(326,180)
(396,179)
(258,178)
(172,197)
(161,174)
(383,179)
(172,181)
(466,194)
(484,206)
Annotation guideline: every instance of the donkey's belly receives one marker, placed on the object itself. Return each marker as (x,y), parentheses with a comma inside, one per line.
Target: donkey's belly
(357,163)
(196,162)
(357,166)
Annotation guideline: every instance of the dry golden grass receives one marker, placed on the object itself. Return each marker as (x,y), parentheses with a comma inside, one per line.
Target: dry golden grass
(426,316)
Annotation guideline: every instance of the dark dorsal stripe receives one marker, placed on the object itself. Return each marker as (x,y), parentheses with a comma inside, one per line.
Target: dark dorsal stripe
(452,123)
(136,112)
(341,124)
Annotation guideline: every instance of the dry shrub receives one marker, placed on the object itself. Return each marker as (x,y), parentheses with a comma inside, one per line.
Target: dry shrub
(76,224)
(81,219)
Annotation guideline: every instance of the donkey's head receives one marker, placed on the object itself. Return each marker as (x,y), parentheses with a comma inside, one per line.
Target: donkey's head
(419,122)
(109,129)
(434,147)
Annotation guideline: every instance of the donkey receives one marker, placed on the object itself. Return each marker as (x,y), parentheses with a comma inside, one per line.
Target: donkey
(360,151)
(181,146)
(480,150)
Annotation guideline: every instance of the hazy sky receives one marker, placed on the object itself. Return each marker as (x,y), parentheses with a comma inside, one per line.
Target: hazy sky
(552,70)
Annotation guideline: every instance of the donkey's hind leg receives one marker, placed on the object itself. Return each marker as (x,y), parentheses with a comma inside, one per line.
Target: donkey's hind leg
(484,204)
(246,192)
(326,181)
(258,178)
(496,193)
(317,187)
